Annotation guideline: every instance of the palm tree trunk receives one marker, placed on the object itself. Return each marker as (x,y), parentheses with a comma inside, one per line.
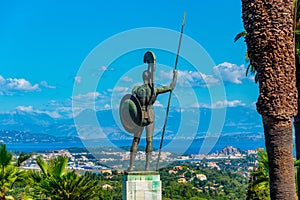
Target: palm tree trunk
(279,143)
(297,137)
(2,194)
(297,121)
(269,26)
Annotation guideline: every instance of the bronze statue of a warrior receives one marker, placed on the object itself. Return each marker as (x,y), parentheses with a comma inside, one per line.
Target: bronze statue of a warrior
(136,110)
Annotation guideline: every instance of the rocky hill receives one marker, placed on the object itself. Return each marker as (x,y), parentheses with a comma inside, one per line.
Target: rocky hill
(229,150)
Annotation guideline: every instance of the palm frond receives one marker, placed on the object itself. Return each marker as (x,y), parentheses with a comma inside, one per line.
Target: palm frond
(247,70)
(297,31)
(68,186)
(297,163)
(22,157)
(247,57)
(256,78)
(5,156)
(59,165)
(42,164)
(240,35)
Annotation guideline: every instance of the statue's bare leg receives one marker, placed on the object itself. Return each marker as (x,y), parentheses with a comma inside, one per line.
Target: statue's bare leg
(149,147)
(134,148)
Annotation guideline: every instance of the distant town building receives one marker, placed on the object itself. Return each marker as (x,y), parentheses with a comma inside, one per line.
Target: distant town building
(213,165)
(182,180)
(177,168)
(107,187)
(251,168)
(249,152)
(106,171)
(171,171)
(201,177)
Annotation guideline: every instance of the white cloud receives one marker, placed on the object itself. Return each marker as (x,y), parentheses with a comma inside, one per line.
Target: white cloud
(209,79)
(14,84)
(25,108)
(11,86)
(127,79)
(157,104)
(91,100)
(78,79)
(105,68)
(226,71)
(119,89)
(97,71)
(2,80)
(196,105)
(30,109)
(54,109)
(70,107)
(53,114)
(87,96)
(231,72)
(190,78)
(253,105)
(46,85)
(59,109)
(225,103)
(106,106)
(219,104)
(165,75)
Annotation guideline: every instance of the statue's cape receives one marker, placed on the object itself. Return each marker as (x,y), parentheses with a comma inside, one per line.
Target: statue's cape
(131,113)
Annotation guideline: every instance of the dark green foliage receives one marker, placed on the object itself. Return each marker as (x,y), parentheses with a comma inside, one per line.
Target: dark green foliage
(56,182)
(297,28)
(10,174)
(228,184)
(115,192)
(259,183)
(68,186)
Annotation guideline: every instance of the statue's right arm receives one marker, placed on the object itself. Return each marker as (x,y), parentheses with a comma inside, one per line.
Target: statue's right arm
(164,89)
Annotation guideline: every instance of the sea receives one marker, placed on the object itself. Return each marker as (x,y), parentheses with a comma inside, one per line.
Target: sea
(182,147)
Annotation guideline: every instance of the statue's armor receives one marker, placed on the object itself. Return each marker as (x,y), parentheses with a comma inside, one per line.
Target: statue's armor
(146,94)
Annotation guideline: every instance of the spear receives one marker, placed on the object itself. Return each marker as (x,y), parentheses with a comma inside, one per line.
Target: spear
(170,95)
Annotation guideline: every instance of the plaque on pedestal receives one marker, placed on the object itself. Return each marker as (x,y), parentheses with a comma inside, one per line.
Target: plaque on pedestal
(141,185)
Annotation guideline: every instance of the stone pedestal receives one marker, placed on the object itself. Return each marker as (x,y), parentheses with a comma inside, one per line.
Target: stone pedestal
(140,185)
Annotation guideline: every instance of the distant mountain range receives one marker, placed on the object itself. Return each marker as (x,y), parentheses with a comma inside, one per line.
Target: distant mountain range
(239,121)
(37,123)
(21,137)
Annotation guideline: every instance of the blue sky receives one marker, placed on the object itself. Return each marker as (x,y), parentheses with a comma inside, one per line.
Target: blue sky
(45,43)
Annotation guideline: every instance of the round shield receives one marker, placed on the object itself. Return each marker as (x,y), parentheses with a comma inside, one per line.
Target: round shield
(131,114)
